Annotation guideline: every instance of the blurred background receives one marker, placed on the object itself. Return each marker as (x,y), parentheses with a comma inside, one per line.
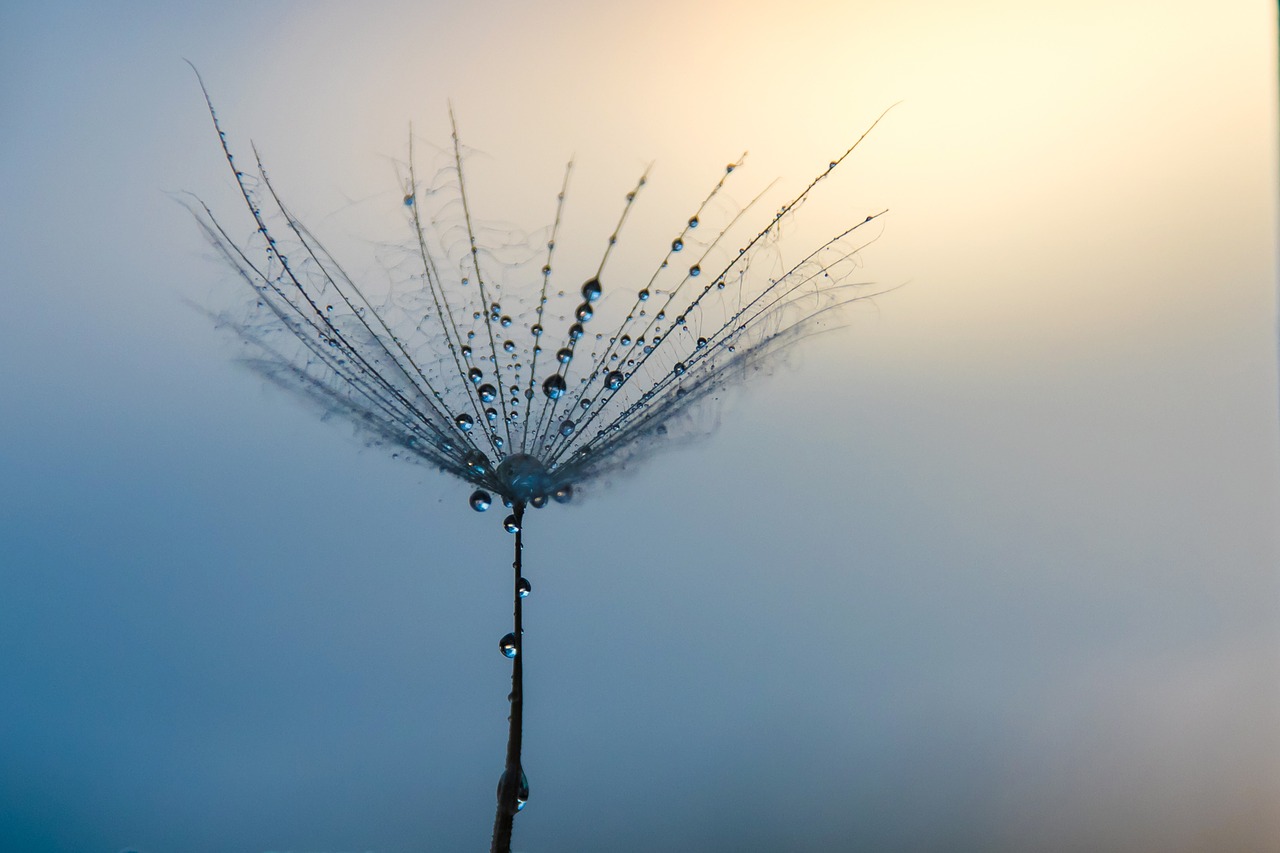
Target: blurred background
(994,568)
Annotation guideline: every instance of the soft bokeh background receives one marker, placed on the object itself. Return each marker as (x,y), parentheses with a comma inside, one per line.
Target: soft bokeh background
(993,569)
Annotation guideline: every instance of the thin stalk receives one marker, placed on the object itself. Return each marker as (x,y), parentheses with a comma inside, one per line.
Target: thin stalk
(512,777)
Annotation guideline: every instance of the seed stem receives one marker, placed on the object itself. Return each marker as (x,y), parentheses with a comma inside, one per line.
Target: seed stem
(512,775)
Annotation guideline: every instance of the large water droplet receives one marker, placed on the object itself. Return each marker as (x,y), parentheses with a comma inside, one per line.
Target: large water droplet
(567,427)
(677,244)
(508,645)
(564,356)
(575,331)
(679,369)
(554,386)
(536,328)
(693,222)
(643,295)
(522,476)
(524,587)
(695,271)
(464,422)
(584,312)
(480,500)
(614,380)
(538,501)
(488,393)
(591,290)
(563,495)
(475,374)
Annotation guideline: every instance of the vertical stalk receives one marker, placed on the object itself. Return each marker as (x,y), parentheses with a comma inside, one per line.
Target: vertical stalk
(512,777)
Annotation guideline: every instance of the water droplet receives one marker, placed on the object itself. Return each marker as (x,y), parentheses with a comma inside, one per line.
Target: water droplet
(575,331)
(522,792)
(584,312)
(567,427)
(679,369)
(509,525)
(536,329)
(488,393)
(563,495)
(507,645)
(492,414)
(522,476)
(702,342)
(693,222)
(329,308)
(464,422)
(677,244)
(477,463)
(554,386)
(408,200)
(644,295)
(538,501)
(564,356)
(626,340)
(466,352)
(695,271)
(509,346)
(524,587)
(614,380)
(591,290)
(480,500)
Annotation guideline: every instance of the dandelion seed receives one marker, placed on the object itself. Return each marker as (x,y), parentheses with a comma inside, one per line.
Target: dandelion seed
(420,368)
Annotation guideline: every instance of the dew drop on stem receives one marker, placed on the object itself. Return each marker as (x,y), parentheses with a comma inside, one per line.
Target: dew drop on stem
(522,792)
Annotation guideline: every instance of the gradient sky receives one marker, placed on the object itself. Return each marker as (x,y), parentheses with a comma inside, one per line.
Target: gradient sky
(992,569)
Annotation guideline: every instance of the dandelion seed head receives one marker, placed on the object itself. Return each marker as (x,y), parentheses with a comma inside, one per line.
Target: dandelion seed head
(468,308)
